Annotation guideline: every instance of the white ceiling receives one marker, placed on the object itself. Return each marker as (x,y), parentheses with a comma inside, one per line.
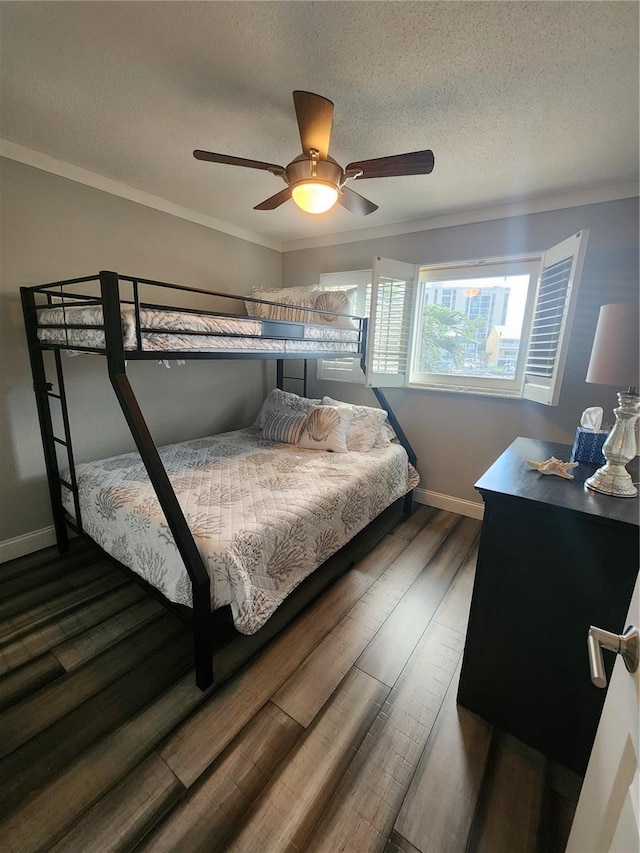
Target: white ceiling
(517,100)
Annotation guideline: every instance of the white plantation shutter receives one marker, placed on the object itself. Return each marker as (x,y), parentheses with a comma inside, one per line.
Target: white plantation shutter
(555,302)
(340,369)
(392,291)
(357,284)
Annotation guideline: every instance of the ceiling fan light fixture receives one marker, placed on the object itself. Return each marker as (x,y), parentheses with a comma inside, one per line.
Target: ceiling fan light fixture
(314,196)
(314,180)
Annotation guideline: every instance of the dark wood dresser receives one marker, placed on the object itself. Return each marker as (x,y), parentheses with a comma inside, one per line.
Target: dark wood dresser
(554,559)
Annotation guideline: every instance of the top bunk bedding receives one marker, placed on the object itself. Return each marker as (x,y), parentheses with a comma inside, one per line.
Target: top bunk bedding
(263,514)
(140,317)
(168,330)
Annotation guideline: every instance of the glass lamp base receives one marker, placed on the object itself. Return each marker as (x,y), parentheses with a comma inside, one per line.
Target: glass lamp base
(619,448)
(614,480)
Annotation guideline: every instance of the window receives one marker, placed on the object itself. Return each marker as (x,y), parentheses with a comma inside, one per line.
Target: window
(356,283)
(474,340)
(496,327)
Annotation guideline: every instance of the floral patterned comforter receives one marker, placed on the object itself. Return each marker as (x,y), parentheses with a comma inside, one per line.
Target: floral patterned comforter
(264,515)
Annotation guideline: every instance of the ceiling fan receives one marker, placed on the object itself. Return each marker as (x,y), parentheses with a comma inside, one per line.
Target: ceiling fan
(314,180)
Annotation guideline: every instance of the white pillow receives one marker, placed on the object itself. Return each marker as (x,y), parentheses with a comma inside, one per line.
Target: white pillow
(284,428)
(366,425)
(326,428)
(304,297)
(385,436)
(283,403)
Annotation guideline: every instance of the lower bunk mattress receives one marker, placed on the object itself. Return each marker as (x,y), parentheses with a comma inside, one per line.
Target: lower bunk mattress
(264,515)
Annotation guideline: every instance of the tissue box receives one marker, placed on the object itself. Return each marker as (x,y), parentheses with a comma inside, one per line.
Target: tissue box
(587,446)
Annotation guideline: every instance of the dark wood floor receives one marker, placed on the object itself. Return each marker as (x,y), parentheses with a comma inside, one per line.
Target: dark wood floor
(342,735)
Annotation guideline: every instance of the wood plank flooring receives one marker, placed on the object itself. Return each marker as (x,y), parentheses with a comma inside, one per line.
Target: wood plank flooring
(342,734)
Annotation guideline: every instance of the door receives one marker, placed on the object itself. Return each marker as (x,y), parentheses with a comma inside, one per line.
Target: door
(607,818)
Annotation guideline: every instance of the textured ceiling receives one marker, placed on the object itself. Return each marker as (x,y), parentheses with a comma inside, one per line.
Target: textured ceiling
(516,99)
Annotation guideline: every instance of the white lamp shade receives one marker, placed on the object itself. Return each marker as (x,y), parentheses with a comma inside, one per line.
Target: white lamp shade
(615,358)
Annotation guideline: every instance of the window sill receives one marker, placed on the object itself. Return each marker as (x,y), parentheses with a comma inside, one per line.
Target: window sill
(465,389)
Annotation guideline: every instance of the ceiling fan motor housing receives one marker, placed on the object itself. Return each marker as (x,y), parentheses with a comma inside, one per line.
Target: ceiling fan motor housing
(304,169)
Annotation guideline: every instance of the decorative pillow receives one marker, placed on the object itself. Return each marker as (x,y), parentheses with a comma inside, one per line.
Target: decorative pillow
(284,403)
(300,297)
(326,428)
(284,428)
(385,436)
(366,425)
(333,300)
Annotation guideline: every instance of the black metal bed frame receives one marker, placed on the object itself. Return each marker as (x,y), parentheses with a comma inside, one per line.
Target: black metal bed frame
(57,294)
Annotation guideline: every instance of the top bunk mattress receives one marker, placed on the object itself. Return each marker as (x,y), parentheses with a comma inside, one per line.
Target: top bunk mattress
(264,515)
(167,330)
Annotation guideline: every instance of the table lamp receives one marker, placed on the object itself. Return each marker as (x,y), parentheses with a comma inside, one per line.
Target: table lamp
(615,361)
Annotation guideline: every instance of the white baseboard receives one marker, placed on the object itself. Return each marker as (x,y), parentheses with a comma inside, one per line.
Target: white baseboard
(448,502)
(27,543)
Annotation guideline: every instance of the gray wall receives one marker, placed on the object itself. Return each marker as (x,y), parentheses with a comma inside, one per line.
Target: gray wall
(456,437)
(52,229)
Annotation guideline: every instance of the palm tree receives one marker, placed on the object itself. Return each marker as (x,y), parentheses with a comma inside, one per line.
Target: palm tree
(444,333)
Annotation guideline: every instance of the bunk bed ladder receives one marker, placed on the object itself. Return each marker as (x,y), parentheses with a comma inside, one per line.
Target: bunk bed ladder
(72,486)
(185,543)
(281,376)
(44,393)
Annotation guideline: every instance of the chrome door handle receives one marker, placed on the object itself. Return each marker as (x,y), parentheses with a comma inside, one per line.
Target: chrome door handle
(627,645)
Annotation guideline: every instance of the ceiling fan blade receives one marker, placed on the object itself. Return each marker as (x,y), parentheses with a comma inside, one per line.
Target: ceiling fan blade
(275,200)
(415,163)
(315,116)
(238,161)
(356,203)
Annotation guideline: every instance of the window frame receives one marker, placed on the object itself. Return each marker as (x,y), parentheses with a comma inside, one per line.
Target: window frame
(485,267)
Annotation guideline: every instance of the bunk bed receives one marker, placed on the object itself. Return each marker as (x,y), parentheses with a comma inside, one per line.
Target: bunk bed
(185,519)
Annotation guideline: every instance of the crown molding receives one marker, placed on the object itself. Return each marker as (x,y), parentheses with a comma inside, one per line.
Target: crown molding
(542,204)
(38,160)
